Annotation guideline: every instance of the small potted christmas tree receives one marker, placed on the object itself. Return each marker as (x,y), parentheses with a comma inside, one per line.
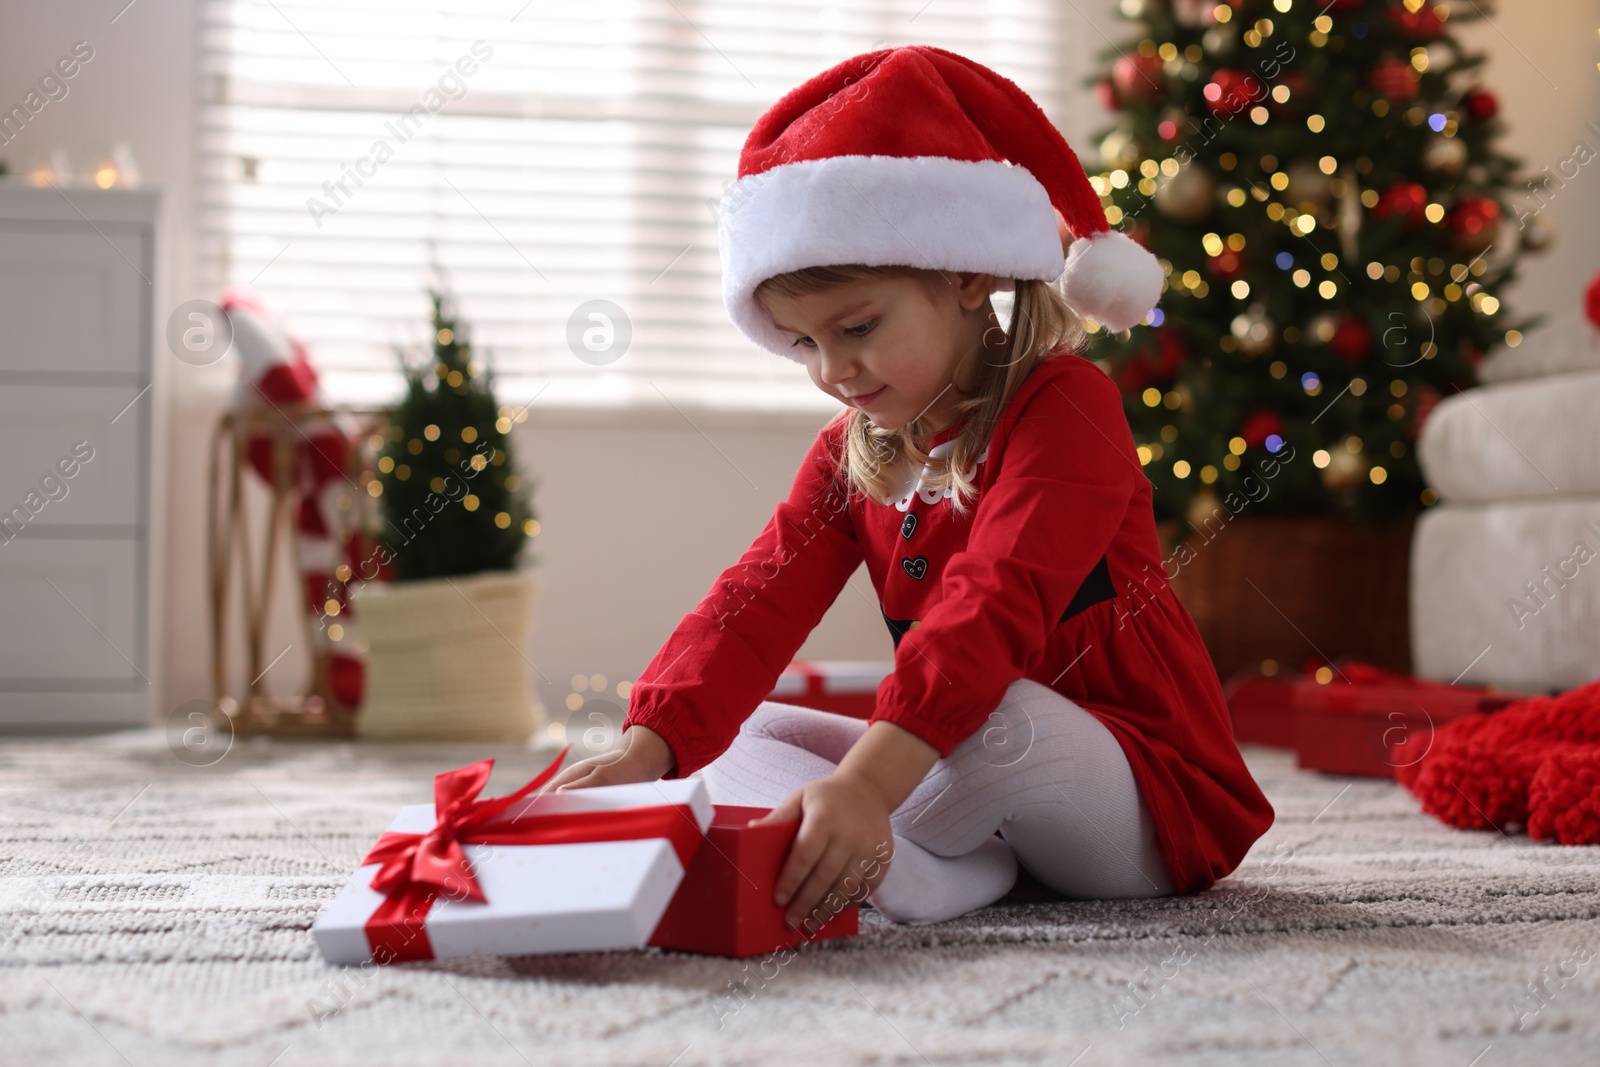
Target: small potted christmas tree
(445,636)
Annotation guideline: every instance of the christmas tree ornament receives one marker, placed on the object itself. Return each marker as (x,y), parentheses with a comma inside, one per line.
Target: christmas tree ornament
(1480,104)
(1260,425)
(1444,155)
(1345,470)
(1118,149)
(1591,302)
(1536,233)
(1405,199)
(1226,265)
(1138,78)
(1106,93)
(967,173)
(1145,368)
(1427,399)
(1203,507)
(1351,340)
(1423,24)
(1309,189)
(1222,40)
(1394,79)
(1174,124)
(1474,224)
(1254,330)
(1350,213)
(1187,196)
(1231,91)
(1194,13)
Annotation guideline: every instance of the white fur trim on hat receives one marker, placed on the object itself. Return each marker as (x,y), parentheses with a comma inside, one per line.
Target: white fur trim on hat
(1112,279)
(932,212)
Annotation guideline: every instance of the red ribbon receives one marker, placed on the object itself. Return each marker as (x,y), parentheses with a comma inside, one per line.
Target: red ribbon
(418,868)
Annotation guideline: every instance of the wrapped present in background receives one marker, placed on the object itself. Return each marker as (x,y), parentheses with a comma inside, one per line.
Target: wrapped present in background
(847,687)
(725,908)
(1350,717)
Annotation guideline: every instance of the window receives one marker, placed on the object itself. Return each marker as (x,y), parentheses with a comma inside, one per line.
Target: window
(543,158)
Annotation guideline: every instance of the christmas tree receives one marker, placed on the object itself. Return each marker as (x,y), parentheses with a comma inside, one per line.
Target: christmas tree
(451,499)
(1321,184)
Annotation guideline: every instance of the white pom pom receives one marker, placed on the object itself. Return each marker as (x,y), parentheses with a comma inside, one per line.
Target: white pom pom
(1112,279)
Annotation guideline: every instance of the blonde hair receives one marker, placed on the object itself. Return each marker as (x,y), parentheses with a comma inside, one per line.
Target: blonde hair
(873,461)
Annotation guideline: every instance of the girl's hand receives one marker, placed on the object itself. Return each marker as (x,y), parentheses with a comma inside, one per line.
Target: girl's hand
(644,757)
(844,844)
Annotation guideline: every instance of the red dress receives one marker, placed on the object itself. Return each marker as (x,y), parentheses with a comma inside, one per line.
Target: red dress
(1055,574)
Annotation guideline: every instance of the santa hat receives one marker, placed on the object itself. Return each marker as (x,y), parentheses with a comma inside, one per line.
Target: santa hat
(919,157)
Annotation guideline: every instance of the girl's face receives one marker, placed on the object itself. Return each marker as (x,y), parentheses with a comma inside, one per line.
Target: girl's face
(898,347)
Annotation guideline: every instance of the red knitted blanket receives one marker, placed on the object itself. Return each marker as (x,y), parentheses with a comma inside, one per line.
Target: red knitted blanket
(1532,764)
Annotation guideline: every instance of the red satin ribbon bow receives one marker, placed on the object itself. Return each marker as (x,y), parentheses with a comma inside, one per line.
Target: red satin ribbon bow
(419,868)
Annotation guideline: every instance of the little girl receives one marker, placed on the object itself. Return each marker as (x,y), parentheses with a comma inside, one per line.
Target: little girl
(1051,701)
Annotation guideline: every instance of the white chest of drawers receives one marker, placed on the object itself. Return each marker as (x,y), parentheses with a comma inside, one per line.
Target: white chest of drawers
(77,273)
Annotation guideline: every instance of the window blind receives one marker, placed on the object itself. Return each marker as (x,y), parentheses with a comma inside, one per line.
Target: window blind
(536,157)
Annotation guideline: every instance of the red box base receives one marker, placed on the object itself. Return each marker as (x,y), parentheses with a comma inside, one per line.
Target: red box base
(1262,709)
(1371,731)
(724,905)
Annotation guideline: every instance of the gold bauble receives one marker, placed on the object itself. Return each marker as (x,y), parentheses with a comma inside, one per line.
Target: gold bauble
(1187,195)
(1444,155)
(1203,507)
(1309,189)
(1255,332)
(1537,234)
(1345,469)
(1118,150)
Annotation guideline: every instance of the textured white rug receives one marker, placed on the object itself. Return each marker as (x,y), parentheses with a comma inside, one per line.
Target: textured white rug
(157,913)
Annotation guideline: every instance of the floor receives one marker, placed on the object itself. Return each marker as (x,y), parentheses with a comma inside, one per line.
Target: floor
(154,912)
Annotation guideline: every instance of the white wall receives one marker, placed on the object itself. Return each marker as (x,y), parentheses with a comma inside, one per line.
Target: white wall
(638,517)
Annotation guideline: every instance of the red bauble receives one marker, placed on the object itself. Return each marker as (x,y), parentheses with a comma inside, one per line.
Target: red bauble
(1351,340)
(1407,199)
(1148,368)
(1106,93)
(1231,91)
(1591,302)
(1424,25)
(1481,104)
(1395,79)
(1427,397)
(1260,425)
(1227,266)
(1138,77)
(1474,223)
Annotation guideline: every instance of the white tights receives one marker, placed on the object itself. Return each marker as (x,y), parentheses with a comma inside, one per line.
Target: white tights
(1043,772)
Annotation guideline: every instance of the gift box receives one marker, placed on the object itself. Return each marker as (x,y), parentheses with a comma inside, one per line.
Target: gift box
(724,906)
(847,687)
(1366,722)
(584,869)
(1260,707)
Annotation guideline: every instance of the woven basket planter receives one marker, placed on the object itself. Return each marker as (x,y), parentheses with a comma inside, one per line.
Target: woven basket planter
(1285,589)
(446,660)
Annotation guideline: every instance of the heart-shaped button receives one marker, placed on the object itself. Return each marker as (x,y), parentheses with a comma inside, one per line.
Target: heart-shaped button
(915,567)
(909,526)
